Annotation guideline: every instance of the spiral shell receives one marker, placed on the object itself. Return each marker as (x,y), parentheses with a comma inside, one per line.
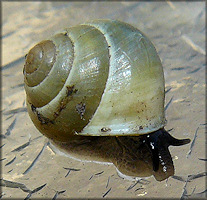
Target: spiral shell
(101,78)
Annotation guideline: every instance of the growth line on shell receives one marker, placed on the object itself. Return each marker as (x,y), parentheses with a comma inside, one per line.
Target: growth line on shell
(110,54)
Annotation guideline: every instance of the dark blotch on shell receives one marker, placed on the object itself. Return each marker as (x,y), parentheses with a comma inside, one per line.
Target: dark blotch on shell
(105,129)
(41,118)
(65,100)
(71,90)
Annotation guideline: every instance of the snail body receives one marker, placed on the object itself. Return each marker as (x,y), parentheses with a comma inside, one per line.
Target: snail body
(101,78)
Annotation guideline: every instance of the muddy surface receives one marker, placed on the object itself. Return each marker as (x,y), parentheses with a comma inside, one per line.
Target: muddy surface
(31,169)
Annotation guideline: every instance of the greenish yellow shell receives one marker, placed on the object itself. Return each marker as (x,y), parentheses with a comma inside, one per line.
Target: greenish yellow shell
(102,78)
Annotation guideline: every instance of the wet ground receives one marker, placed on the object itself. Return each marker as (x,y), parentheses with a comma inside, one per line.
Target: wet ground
(30,169)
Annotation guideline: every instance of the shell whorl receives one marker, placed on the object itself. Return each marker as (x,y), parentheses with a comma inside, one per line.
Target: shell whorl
(47,66)
(102,78)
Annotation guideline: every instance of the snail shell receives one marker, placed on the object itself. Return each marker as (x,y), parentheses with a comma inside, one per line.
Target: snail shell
(102,78)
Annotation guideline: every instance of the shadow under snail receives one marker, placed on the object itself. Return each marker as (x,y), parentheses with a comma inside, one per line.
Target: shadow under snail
(96,91)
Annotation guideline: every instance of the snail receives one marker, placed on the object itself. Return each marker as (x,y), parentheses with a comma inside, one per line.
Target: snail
(100,86)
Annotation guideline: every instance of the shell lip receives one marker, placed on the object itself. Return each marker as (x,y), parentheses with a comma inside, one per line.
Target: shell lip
(119,130)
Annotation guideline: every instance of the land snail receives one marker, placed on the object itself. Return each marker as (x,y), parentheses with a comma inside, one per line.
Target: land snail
(97,92)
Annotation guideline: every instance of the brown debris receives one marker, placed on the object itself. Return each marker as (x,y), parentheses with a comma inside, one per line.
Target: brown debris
(65,100)
(105,129)
(81,108)
(70,90)
(41,118)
